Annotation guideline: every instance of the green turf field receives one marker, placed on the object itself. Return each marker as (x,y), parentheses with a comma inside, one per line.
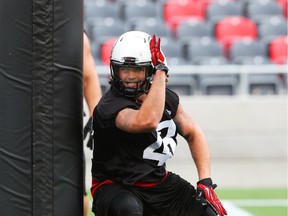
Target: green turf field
(256,202)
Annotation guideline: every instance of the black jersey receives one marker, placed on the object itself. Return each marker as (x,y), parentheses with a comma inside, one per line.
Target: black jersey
(131,158)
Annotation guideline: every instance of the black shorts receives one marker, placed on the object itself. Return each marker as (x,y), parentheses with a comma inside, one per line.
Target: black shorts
(172,197)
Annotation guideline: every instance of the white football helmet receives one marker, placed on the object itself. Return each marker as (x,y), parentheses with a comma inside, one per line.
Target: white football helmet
(132,49)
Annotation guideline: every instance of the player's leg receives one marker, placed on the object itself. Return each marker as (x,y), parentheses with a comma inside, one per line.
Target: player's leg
(85,205)
(114,200)
(208,211)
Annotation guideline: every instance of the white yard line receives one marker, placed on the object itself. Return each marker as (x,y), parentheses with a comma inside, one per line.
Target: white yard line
(233,206)
(259,202)
(234,210)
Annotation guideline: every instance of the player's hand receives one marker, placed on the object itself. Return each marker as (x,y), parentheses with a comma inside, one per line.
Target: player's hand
(206,195)
(88,131)
(157,56)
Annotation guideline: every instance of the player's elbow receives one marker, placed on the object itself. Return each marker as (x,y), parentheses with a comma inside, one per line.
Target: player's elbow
(149,124)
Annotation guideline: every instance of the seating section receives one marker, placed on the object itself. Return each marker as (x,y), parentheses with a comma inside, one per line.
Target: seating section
(153,26)
(248,52)
(206,50)
(197,32)
(260,10)
(278,50)
(105,50)
(273,27)
(136,11)
(234,28)
(222,9)
(176,11)
(192,30)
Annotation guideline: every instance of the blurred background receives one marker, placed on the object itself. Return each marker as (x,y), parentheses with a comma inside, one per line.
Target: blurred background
(228,62)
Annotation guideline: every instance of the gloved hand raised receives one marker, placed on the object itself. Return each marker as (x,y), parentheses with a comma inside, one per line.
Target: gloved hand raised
(157,56)
(206,195)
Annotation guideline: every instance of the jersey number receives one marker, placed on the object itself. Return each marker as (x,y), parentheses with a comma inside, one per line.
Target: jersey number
(167,143)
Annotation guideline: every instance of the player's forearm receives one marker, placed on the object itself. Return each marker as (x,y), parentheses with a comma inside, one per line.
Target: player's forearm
(153,105)
(201,156)
(92,93)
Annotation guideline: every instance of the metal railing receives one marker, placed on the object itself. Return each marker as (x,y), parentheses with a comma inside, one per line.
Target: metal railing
(243,74)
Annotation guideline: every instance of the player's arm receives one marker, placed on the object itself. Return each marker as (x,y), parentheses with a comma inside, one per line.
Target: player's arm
(92,89)
(200,152)
(195,138)
(150,113)
(147,118)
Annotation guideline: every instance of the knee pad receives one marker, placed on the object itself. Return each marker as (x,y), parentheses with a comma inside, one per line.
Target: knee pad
(125,204)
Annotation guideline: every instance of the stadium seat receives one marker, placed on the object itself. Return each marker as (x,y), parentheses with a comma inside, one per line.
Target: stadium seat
(284,5)
(175,11)
(133,11)
(106,29)
(154,26)
(173,52)
(278,50)
(264,84)
(248,51)
(205,49)
(221,84)
(260,10)
(272,28)
(192,30)
(100,10)
(105,50)
(220,9)
(235,28)
(182,84)
(210,52)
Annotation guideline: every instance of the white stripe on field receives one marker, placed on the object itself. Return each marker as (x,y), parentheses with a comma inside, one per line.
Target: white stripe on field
(260,202)
(232,209)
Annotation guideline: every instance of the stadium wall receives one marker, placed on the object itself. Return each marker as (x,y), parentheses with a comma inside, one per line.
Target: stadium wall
(235,127)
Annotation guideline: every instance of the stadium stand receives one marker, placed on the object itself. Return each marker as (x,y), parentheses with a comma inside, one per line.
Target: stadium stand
(248,51)
(98,12)
(234,28)
(99,9)
(193,30)
(278,50)
(104,31)
(136,11)
(204,49)
(248,31)
(173,51)
(209,52)
(264,84)
(153,26)
(175,11)
(105,50)
(284,5)
(221,9)
(272,28)
(260,10)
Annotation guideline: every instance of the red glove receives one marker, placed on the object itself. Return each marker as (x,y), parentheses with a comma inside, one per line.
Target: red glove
(206,194)
(156,54)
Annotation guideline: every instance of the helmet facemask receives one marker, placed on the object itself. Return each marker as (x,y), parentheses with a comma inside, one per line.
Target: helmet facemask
(122,86)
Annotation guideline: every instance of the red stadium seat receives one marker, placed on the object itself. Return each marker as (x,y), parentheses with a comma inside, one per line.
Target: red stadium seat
(278,50)
(284,5)
(106,49)
(175,11)
(235,28)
